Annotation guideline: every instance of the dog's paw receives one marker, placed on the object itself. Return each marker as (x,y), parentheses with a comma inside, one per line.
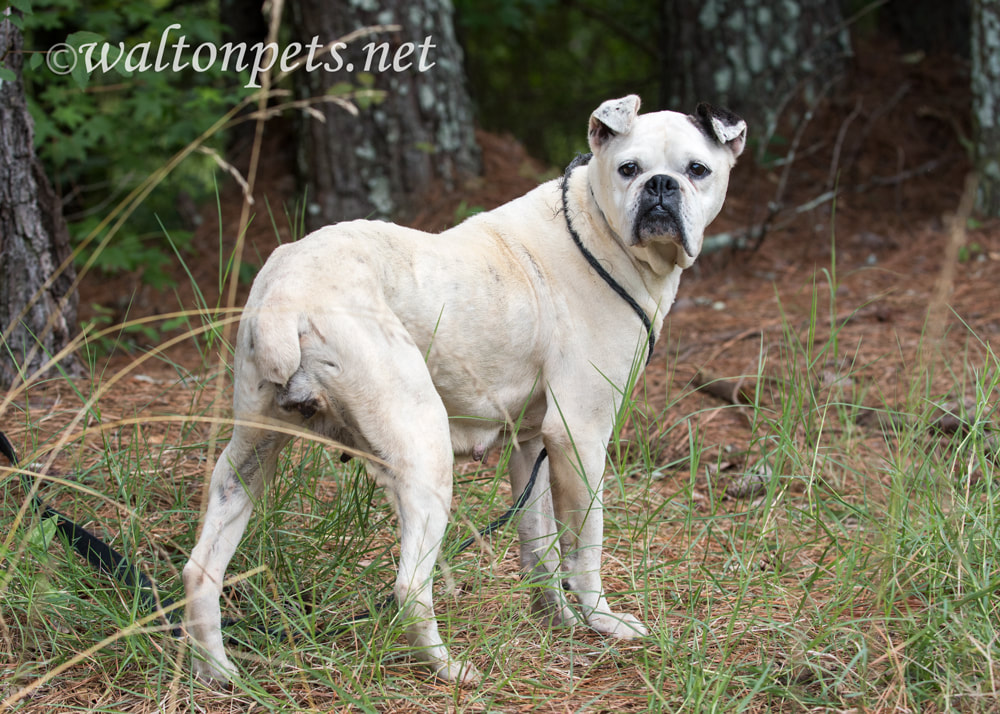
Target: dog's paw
(551,606)
(220,672)
(458,672)
(624,627)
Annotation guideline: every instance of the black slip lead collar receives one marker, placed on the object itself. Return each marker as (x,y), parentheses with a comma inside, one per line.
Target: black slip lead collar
(581,160)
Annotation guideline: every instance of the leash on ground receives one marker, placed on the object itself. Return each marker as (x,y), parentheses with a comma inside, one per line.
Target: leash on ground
(96,552)
(103,558)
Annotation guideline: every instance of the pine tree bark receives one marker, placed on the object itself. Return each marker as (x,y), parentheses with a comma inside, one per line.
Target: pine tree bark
(37,303)
(986,102)
(419,138)
(750,55)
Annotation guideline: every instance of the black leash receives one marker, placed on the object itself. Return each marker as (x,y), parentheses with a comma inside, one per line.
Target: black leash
(509,513)
(95,551)
(488,530)
(582,160)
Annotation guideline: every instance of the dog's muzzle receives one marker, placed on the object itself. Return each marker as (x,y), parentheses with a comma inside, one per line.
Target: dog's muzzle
(659,212)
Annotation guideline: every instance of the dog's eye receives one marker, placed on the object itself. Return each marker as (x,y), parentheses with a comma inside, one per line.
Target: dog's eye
(697,170)
(629,169)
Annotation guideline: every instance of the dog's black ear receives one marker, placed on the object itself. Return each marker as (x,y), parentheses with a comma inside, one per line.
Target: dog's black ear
(612,118)
(723,127)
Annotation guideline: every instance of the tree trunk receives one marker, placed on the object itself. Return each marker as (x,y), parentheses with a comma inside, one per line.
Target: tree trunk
(420,138)
(37,305)
(750,55)
(986,102)
(242,22)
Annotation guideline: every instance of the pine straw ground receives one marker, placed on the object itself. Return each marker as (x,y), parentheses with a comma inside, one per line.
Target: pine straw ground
(909,306)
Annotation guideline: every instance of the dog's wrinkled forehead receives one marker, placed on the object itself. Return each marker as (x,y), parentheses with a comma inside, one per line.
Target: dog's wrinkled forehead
(662,139)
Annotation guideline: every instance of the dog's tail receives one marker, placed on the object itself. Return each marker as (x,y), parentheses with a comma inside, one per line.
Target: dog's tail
(273,340)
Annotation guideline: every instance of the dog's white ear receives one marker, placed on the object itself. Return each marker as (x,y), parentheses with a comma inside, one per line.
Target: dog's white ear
(612,118)
(723,127)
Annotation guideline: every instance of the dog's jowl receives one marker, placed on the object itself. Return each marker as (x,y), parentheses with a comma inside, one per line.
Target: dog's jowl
(519,325)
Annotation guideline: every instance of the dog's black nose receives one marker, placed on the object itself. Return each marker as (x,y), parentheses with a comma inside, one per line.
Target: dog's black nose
(662,186)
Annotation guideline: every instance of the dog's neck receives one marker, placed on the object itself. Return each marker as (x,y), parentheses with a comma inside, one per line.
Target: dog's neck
(655,271)
(594,263)
(649,276)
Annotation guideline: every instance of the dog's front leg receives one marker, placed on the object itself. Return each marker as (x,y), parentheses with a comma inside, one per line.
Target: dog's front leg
(577,480)
(538,534)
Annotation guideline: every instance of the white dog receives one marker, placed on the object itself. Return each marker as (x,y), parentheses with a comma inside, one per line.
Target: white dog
(519,325)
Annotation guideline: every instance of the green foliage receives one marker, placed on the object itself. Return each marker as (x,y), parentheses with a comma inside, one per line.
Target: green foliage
(464,210)
(969,252)
(24,6)
(114,336)
(537,68)
(100,134)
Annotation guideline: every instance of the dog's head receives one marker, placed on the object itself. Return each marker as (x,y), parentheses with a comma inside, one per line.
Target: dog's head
(661,178)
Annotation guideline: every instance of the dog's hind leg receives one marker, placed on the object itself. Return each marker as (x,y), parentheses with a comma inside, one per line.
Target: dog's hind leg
(388,392)
(538,533)
(244,469)
(421,496)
